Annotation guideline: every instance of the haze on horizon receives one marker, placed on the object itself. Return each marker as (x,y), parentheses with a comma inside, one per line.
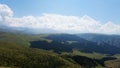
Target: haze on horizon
(61,16)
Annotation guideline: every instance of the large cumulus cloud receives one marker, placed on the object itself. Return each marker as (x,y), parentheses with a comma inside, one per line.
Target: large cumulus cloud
(57,22)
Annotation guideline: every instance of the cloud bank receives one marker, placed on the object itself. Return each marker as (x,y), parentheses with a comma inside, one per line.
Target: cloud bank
(56,22)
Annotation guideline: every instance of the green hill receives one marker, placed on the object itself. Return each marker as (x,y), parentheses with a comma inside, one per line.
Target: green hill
(16,52)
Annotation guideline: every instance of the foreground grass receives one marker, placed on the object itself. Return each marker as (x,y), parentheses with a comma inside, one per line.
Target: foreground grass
(15,56)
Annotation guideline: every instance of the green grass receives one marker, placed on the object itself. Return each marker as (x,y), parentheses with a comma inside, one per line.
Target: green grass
(90,55)
(12,55)
(113,63)
(21,39)
(15,53)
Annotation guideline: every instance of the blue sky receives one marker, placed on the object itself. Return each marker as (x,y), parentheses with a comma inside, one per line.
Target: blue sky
(101,10)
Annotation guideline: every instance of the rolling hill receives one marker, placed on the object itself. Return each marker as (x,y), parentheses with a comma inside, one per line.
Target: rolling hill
(19,50)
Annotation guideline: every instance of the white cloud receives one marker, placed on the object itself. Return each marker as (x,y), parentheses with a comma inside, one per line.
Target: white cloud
(5,10)
(60,23)
(110,28)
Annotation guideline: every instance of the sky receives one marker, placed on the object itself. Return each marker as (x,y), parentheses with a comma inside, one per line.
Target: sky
(70,16)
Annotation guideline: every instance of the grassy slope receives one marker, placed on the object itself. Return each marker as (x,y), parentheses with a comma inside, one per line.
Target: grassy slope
(13,55)
(113,63)
(90,55)
(15,52)
(12,50)
(21,39)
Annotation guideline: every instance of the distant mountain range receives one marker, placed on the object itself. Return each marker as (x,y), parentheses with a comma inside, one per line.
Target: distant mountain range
(113,40)
(68,42)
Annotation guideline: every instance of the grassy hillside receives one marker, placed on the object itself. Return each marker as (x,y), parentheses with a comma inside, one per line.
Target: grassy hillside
(113,63)
(12,55)
(16,52)
(21,39)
